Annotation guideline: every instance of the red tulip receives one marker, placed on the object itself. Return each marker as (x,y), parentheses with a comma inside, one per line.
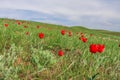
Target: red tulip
(93,48)
(82,35)
(63,32)
(100,48)
(18,23)
(84,39)
(6,25)
(25,26)
(27,33)
(96,48)
(119,45)
(69,33)
(41,35)
(38,27)
(60,53)
(91,34)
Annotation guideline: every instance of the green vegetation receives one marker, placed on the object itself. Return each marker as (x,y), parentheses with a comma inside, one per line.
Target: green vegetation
(24,56)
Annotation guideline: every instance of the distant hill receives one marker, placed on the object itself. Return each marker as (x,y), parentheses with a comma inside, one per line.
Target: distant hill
(73,28)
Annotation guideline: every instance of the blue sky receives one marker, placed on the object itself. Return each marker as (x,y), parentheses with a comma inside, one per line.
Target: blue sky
(96,14)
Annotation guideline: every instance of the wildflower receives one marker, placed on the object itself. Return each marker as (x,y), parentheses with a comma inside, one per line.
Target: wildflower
(84,39)
(27,33)
(38,26)
(100,48)
(6,25)
(25,26)
(63,32)
(91,34)
(69,33)
(96,48)
(18,23)
(93,48)
(60,53)
(41,35)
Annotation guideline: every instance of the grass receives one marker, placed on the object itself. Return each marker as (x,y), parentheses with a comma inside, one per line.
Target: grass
(27,57)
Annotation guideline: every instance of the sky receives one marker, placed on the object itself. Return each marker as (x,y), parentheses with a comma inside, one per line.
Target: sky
(93,14)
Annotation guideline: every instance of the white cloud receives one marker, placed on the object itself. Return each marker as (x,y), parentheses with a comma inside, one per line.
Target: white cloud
(68,8)
(73,10)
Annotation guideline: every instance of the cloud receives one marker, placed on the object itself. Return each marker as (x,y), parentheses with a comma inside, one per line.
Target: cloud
(63,7)
(94,14)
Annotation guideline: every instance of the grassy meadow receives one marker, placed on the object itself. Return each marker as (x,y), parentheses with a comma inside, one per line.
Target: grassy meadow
(26,56)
